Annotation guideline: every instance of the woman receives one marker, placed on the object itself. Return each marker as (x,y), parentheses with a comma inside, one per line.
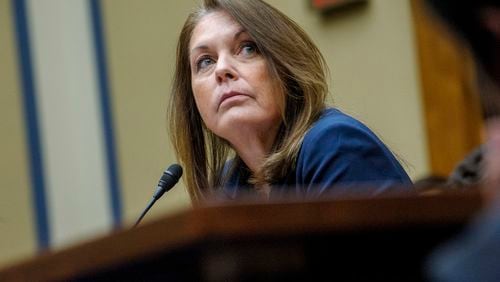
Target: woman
(250,86)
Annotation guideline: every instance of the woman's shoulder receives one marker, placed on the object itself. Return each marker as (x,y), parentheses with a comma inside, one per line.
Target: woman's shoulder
(337,125)
(342,150)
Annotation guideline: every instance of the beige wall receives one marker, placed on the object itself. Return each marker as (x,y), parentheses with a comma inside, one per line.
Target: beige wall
(370,51)
(17,230)
(141,38)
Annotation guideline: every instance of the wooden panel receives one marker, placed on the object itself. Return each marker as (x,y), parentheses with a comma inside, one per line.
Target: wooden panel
(347,233)
(450,100)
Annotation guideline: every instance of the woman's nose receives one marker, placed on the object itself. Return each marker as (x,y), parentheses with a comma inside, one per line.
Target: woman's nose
(225,69)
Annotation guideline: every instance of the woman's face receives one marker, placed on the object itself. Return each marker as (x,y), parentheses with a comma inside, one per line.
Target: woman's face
(231,83)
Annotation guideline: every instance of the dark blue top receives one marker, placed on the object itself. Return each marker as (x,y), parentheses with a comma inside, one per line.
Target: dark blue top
(339,155)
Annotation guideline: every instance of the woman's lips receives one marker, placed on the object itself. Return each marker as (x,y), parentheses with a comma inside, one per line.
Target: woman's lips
(228,95)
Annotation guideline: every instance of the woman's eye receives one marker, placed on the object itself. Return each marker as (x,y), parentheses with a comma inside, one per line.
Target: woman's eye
(203,63)
(248,48)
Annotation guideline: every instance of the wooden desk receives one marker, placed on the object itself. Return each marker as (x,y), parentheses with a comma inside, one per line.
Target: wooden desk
(353,239)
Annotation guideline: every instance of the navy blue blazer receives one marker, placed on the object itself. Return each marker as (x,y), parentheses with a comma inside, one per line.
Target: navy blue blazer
(339,156)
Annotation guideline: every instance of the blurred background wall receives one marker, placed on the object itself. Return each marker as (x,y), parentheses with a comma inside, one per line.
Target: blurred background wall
(101,113)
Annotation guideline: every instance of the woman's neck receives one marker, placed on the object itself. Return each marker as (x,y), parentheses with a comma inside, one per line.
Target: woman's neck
(253,148)
(252,152)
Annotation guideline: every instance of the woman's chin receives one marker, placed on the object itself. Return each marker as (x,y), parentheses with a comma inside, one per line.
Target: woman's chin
(244,119)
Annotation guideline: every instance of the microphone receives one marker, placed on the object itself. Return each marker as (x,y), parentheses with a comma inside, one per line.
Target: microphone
(169,178)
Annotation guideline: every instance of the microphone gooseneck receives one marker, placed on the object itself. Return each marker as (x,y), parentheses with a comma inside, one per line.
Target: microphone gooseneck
(168,179)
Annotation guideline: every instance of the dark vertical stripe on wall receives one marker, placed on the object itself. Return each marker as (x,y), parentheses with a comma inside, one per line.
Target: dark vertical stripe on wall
(31,120)
(100,51)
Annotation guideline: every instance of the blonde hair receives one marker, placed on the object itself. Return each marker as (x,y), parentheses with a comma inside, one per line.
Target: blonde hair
(293,60)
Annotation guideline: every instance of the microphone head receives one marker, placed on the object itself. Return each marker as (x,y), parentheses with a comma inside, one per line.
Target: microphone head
(175,171)
(169,178)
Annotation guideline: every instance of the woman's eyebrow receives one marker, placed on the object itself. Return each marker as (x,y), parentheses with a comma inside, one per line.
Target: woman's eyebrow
(205,47)
(240,32)
(199,47)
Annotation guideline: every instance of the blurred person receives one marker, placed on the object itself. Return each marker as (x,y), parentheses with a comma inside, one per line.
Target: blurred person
(474,255)
(248,115)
